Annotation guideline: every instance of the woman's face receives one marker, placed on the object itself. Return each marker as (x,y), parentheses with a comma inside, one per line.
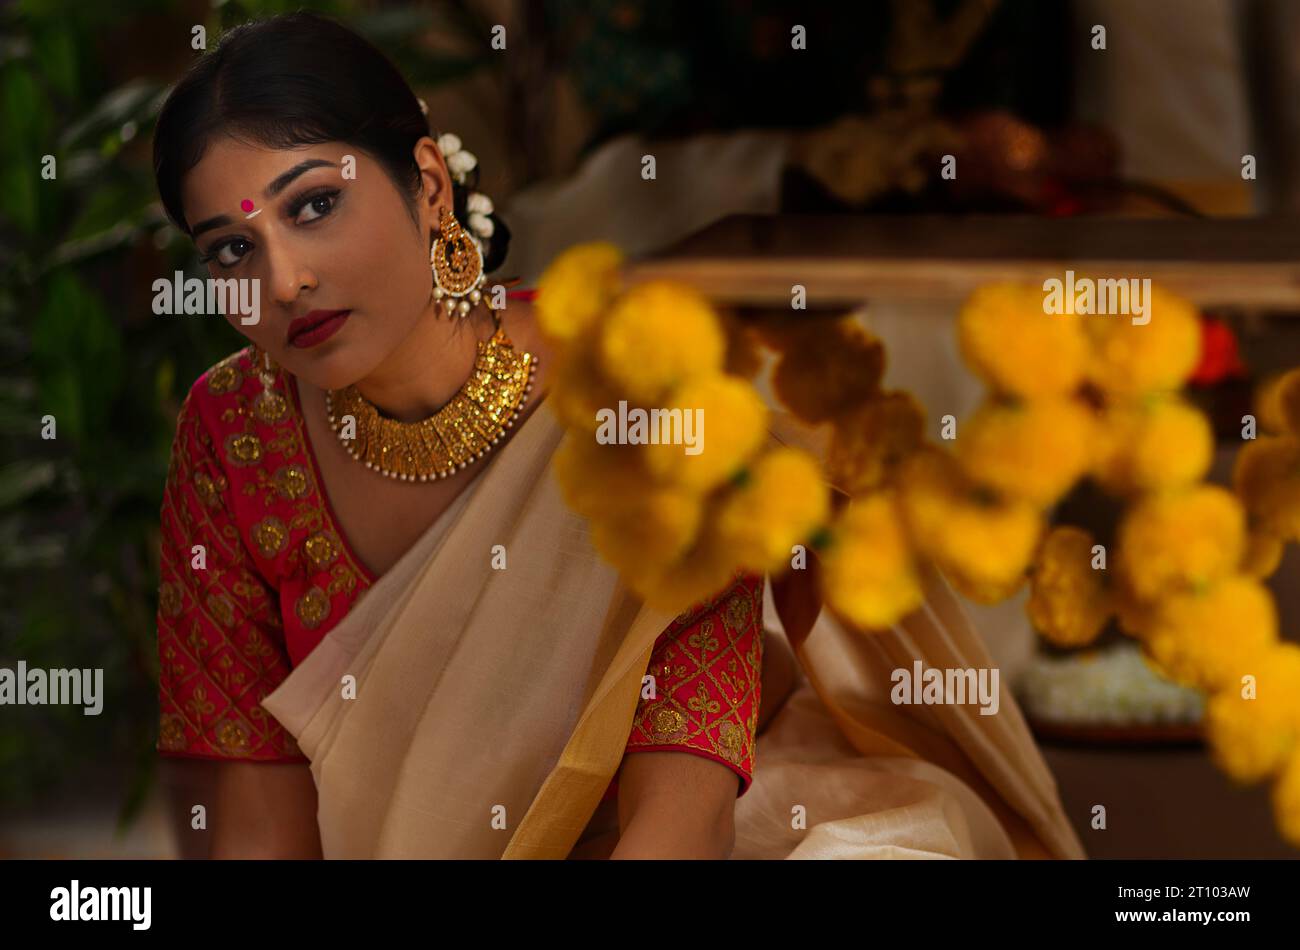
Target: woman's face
(343,269)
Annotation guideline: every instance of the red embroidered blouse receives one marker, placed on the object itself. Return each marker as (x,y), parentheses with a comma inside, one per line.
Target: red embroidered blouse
(276,574)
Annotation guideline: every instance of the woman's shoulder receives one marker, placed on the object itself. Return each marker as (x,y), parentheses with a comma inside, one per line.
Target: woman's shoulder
(221,384)
(231,417)
(232,396)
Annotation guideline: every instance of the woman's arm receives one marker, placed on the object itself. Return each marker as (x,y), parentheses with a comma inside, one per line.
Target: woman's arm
(220,650)
(264,810)
(675,806)
(255,810)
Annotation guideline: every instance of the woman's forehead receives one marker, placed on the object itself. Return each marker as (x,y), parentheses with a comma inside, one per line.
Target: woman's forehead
(229,166)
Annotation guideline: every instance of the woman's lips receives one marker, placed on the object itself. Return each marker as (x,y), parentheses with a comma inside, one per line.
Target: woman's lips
(317,327)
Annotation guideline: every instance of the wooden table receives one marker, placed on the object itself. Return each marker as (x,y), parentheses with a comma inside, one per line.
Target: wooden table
(754,260)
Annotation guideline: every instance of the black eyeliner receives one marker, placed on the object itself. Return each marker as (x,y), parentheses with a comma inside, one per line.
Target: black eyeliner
(304,198)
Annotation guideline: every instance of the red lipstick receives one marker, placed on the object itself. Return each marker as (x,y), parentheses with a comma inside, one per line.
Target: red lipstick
(317,327)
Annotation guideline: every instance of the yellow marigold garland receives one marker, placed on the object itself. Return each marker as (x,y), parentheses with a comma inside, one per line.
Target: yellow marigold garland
(1070,396)
(1186,573)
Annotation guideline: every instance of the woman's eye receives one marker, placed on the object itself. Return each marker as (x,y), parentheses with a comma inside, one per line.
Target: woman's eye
(231,253)
(315,208)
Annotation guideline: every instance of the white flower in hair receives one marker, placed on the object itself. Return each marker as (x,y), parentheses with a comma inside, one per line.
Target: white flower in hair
(461,163)
(448,144)
(480,202)
(481,225)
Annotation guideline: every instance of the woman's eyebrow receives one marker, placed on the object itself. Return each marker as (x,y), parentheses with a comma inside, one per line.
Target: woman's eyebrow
(220,221)
(282,181)
(278,185)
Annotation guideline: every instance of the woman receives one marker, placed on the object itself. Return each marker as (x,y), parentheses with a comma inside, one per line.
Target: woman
(293,530)
(361,536)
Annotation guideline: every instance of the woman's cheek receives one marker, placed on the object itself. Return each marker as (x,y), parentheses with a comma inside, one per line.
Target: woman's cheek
(259,333)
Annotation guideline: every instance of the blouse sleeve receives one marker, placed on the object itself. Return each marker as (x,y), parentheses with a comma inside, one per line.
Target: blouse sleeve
(220,641)
(706,668)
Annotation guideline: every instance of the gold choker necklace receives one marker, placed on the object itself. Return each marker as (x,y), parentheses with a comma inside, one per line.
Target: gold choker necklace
(461,432)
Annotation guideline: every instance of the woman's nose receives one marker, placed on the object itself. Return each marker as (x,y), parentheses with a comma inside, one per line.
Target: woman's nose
(289,276)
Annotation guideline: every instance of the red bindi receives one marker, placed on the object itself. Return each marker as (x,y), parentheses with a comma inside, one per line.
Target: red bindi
(246,206)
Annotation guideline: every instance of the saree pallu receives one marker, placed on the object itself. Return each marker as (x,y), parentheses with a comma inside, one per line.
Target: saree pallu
(492,707)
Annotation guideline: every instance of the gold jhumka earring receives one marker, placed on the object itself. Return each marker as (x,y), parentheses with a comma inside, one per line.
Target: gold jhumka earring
(457,264)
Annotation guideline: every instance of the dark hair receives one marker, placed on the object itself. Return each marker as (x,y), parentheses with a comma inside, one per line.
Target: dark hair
(299,79)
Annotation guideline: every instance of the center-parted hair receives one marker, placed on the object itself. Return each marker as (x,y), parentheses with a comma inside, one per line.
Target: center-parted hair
(293,80)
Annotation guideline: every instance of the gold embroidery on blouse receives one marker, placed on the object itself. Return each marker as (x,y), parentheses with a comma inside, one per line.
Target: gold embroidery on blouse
(224,378)
(232,737)
(666,722)
(737,610)
(196,641)
(321,549)
(292,481)
(221,607)
(287,476)
(701,702)
(243,449)
(199,704)
(269,535)
(256,646)
(286,443)
(312,607)
(342,578)
(703,639)
(730,738)
(170,599)
(171,732)
(228,677)
(270,407)
(733,740)
(209,489)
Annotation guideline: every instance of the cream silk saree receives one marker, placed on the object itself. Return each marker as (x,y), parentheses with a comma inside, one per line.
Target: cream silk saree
(492,707)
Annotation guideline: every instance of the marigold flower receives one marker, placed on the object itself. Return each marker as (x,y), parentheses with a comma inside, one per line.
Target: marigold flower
(1179,540)
(782,501)
(830,370)
(1069,602)
(869,575)
(984,544)
(1263,555)
(578,390)
(1252,738)
(599,480)
(1034,450)
(650,532)
(1130,359)
(657,336)
(1268,404)
(701,572)
(1155,444)
(576,288)
(1288,401)
(1286,801)
(1211,637)
(870,441)
(733,426)
(1266,476)
(1018,349)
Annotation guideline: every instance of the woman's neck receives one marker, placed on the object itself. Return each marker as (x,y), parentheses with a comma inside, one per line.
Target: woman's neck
(429,368)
